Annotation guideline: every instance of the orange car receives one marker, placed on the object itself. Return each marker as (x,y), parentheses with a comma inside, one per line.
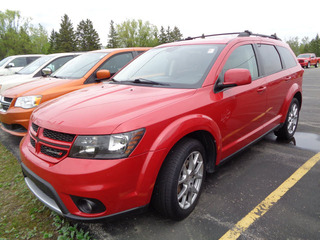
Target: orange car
(88,69)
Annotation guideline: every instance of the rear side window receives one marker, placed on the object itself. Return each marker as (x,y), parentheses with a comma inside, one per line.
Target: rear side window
(242,57)
(270,59)
(287,58)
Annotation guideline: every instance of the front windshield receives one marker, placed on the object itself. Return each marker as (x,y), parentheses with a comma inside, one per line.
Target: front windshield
(183,66)
(3,61)
(304,56)
(79,66)
(35,65)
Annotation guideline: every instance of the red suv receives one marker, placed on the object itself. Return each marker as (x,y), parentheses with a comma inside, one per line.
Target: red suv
(151,133)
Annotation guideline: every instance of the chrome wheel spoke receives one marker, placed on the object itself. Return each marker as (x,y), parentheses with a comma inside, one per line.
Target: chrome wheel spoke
(190,180)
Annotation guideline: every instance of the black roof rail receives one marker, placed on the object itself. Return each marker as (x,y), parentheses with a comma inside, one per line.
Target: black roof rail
(245,33)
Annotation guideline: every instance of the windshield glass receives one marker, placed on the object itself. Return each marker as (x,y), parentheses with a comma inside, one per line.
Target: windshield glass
(304,56)
(35,65)
(183,66)
(3,61)
(79,66)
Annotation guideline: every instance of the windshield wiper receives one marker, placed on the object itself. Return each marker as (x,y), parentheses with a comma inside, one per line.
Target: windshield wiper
(139,81)
(147,81)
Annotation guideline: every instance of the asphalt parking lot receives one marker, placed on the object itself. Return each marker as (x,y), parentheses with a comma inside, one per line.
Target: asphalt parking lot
(233,192)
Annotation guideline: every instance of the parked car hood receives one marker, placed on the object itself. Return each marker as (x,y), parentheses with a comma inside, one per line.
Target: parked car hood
(7,82)
(36,87)
(100,109)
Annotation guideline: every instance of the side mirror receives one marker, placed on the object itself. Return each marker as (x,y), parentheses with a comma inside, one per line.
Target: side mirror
(235,77)
(103,74)
(46,72)
(10,65)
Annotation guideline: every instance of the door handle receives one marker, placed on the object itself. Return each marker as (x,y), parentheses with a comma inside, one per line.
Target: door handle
(261,89)
(287,78)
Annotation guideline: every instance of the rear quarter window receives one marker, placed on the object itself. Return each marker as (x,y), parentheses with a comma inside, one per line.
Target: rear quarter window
(288,59)
(270,59)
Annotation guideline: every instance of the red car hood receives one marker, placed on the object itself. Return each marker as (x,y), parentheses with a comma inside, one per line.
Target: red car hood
(100,109)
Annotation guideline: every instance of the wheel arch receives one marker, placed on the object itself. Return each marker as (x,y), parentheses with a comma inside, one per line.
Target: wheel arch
(195,126)
(294,92)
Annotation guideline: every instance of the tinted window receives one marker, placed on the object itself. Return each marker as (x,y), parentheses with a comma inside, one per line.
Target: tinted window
(242,57)
(19,62)
(270,59)
(287,58)
(115,63)
(31,59)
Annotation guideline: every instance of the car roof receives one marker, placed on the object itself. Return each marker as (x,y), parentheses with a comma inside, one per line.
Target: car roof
(109,50)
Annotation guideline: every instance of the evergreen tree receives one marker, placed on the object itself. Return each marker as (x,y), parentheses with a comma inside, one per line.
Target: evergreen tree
(162,36)
(87,37)
(113,36)
(176,34)
(53,42)
(66,39)
(315,46)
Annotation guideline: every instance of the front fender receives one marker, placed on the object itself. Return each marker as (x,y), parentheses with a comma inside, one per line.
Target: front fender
(164,142)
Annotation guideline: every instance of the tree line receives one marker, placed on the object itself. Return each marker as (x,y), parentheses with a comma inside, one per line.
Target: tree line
(19,36)
(305,46)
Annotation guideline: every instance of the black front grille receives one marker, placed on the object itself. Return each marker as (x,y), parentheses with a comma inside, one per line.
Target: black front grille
(35,127)
(58,135)
(52,145)
(5,103)
(7,99)
(33,142)
(53,152)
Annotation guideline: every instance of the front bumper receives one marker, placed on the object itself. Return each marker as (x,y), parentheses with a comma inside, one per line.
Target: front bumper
(15,120)
(120,185)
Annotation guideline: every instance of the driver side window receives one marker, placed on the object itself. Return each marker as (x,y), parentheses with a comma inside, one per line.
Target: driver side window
(115,63)
(242,57)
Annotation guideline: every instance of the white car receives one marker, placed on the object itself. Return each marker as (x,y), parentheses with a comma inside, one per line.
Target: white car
(11,65)
(41,67)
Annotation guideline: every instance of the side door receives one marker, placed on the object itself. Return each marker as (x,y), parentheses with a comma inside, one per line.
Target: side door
(278,81)
(244,107)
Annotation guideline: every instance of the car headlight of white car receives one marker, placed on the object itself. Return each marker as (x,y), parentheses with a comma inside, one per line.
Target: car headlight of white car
(28,101)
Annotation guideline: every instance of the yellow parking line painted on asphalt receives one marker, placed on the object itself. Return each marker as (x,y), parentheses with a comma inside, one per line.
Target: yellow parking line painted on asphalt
(267,203)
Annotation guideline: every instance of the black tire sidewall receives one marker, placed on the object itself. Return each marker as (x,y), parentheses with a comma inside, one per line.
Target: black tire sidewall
(169,176)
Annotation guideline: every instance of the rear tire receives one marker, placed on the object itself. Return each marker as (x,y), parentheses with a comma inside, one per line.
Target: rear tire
(180,180)
(290,126)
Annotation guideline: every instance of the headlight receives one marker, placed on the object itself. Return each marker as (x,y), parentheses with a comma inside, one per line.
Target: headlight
(305,61)
(28,101)
(106,146)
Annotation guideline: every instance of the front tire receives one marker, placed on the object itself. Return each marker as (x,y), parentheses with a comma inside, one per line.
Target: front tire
(180,180)
(290,126)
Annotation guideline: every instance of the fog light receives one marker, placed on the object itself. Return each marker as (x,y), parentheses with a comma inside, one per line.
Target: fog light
(88,205)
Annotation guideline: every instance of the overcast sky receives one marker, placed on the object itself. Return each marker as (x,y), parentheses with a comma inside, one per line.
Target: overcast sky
(193,18)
